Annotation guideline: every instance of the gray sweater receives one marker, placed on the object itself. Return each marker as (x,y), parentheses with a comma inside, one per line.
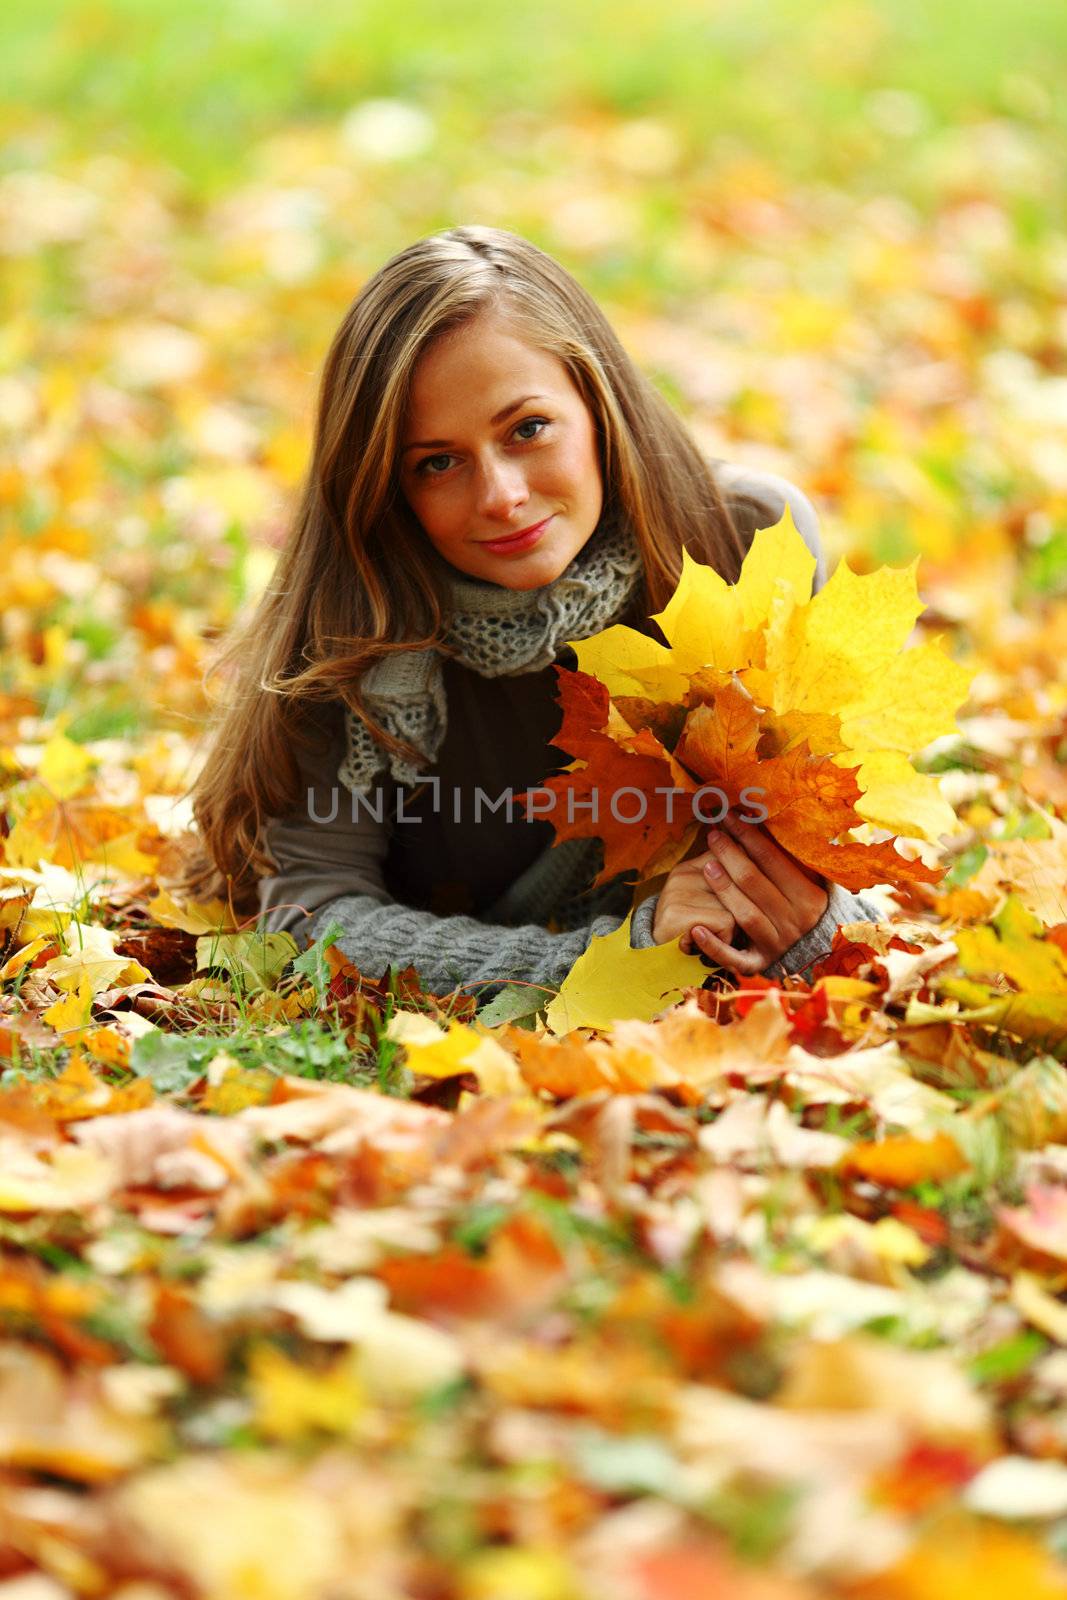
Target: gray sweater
(431,878)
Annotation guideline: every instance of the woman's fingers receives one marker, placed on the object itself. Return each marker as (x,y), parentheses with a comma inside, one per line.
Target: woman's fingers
(778,865)
(744,882)
(686,900)
(746,890)
(703,908)
(745,962)
(807,893)
(767,893)
(762,932)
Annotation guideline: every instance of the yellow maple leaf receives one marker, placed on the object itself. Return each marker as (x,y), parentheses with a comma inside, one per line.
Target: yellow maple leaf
(192,916)
(435,1052)
(778,568)
(627,661)
(22,958)
(75,1008)
(91,951)
(853,628)
(610,981)
(291,1402)
(840,655)
(704,622)
(1013,947)
(64,766)
(908,702)
(895,796)
(709,623)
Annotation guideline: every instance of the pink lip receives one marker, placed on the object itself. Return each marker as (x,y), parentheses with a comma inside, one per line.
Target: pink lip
(523,540)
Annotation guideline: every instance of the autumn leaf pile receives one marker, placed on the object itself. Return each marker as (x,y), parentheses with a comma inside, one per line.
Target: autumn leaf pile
(314,1286)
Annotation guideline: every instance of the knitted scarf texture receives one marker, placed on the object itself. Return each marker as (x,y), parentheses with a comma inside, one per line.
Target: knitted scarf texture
(497,632)
(500,632)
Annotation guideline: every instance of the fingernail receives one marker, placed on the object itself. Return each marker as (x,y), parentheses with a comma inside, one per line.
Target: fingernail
(713,870)
(699,933)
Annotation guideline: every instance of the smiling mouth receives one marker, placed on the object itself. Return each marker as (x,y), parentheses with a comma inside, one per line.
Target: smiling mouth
(521,533)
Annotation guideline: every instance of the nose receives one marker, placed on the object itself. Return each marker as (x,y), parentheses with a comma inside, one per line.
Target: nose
(501,488)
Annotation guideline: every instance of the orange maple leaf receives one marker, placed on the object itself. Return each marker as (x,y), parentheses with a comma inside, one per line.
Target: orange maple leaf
(613,796)
(809,800)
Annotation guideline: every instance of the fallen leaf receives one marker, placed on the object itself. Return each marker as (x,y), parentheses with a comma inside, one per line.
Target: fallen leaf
(255,960)
(436,1052)
(1014,947)
(902,1160)
(610,982)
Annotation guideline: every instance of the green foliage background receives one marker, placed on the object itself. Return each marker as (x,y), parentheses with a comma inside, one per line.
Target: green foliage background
(198,85)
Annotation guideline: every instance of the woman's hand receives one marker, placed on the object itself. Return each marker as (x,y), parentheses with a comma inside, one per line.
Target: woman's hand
(688,906)
(770,896)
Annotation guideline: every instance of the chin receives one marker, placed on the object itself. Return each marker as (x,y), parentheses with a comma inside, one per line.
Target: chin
(528,580)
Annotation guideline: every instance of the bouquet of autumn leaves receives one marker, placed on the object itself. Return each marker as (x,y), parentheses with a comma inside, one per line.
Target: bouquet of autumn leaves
(810,703)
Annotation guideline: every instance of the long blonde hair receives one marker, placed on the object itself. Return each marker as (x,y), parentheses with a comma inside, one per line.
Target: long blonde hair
(353,582)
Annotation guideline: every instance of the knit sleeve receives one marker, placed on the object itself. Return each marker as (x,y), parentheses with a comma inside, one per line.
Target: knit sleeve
(841,907)
(460,950)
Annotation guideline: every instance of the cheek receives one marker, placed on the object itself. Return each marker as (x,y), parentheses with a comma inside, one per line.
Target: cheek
(579,461)
(433,507)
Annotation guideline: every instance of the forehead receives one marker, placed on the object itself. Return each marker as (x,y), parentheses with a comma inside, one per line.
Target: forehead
(472,366)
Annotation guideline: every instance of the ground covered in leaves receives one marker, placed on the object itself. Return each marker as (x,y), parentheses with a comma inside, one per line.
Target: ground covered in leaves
(315,1285)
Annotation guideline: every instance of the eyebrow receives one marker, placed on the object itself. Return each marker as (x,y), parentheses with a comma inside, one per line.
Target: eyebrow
(501,416)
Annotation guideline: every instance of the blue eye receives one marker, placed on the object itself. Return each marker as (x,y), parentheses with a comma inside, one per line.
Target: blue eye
(425,470)
(425,462)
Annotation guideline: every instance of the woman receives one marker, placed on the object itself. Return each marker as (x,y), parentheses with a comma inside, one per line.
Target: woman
(491,476)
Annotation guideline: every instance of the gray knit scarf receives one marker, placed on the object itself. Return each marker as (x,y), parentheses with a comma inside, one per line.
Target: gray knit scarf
(498,632)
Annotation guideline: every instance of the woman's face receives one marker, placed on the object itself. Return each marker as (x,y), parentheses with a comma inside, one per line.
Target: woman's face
(498,440)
